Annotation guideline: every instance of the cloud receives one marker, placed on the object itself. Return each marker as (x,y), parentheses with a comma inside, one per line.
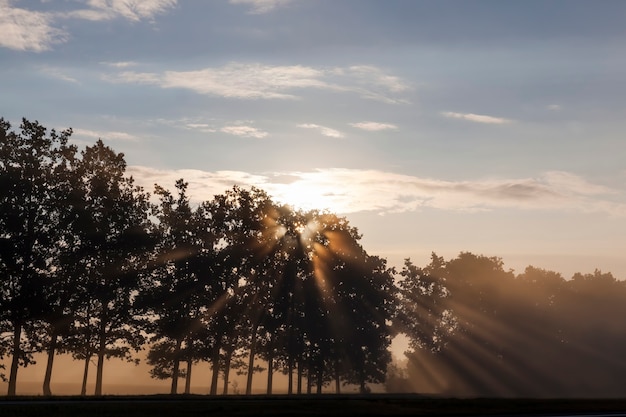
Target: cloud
(373,83)
(373,126)
(203,185)
(326,131)
(133,10)
(58,74)
(26,30)
(478,118)
(259,81)
(104,135)
(554,107)
(261,6)
(351,190)
(373,75)
(244,131)
(203,127)
(121,64)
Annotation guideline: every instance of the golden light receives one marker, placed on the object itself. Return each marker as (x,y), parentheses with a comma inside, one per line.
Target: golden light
(311,194)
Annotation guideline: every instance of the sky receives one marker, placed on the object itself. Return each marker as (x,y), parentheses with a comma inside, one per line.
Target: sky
(493,127)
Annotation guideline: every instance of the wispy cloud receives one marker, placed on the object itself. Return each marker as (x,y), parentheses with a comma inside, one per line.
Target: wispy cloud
(134,10)
(326,131)
(261,6)
(374,126)
(373,75)
(203,127)
(348,190)
(478,118)
(373,83)
(58,74)
(111,135)
(120,64)
(259,81)
(244,131)
(26,30)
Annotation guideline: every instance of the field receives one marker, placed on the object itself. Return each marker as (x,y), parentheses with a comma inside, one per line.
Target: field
(324,405)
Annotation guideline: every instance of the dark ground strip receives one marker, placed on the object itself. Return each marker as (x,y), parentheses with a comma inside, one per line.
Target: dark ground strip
(323,405)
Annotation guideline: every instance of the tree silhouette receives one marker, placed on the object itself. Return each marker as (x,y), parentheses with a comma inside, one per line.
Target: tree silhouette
(422,312)
(112,250)
(172,293)
(31,163)
(234,220)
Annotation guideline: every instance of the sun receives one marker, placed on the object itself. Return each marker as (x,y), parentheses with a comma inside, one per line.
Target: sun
(311,194)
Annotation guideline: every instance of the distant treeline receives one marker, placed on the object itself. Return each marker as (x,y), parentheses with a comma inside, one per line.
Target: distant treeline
(479,330)
(93,266)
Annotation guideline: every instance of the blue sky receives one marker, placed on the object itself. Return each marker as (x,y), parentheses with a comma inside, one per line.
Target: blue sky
(487,126)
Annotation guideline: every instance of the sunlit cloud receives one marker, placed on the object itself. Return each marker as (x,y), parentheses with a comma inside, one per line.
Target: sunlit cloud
(103,135)
(203,185)
(478,118)
(326,131)
(133,10)
(244,131)
(350,190)
(259,81)
(26,30)
(261,6)
(373,126)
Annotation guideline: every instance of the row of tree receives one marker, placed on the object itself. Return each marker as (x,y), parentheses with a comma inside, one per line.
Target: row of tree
(89,265)
(93,266)
(477,329)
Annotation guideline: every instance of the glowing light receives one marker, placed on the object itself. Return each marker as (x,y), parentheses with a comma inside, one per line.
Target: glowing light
(309,192)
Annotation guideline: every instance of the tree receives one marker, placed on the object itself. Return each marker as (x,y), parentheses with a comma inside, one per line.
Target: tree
(173,292)
(239,218)
(31,163)
(111,251)
(422,311)
(334,301)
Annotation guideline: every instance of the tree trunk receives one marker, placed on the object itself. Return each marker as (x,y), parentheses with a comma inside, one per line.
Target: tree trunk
(309,382)
(251,360)
(48,377)
(337,379)
(99,369)
(290,375)
(270,371)
(362,381)
(300,373)
(320,379)
(17,352)
(227,360)
(309,377)
(188,376)
(176,368)
(83,390)
(216,366)
(319,383)
(101,351)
